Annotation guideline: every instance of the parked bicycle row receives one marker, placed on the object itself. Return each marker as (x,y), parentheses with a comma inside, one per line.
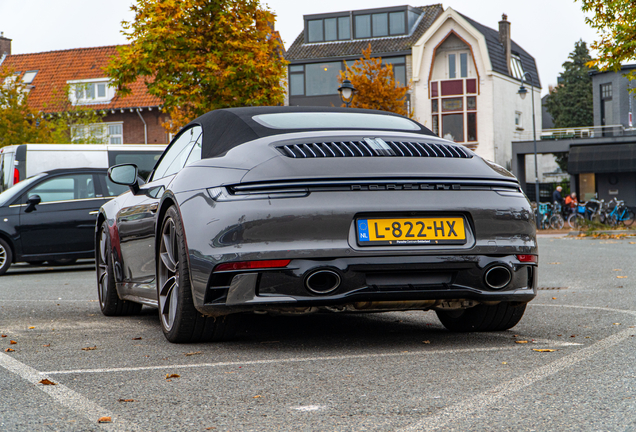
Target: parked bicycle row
(613,213)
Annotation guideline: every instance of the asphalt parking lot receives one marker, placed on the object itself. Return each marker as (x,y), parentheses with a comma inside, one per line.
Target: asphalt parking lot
(377,372)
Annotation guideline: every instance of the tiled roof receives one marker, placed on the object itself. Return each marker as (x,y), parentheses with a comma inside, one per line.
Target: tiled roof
(498,56)
(56,68)
(299,50)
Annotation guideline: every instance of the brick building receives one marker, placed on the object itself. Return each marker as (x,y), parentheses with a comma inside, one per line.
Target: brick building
(56,79)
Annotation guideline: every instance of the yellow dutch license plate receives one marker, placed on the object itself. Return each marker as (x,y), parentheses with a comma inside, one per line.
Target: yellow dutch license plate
(411,231)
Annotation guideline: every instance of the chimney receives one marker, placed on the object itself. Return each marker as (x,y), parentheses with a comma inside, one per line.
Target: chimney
(5,45)
(504,38)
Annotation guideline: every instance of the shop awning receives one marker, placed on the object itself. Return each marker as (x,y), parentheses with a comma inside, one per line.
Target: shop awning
(608,158)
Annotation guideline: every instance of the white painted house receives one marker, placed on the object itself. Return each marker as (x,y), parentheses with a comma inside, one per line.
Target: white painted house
(465,77)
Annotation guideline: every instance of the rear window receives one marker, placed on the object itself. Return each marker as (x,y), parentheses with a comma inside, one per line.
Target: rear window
(334,120)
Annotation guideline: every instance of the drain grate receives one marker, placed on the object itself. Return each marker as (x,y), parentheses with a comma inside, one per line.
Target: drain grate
(551,288)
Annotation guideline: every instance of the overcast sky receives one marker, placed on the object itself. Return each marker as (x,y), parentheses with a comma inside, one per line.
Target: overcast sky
(547,29)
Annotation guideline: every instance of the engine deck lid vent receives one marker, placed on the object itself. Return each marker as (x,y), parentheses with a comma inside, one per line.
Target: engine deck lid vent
(373,147)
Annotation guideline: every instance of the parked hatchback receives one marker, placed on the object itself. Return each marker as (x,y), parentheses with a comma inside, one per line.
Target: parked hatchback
(51,216)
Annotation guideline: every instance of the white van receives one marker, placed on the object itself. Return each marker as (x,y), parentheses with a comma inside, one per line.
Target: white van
(18,162)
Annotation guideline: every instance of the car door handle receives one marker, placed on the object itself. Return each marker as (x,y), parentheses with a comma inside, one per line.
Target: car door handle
(94,212)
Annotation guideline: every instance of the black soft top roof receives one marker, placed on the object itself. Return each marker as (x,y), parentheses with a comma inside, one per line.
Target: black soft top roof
(227,128)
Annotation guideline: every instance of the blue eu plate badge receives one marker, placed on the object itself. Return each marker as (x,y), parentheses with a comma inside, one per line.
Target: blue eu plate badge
(363,230)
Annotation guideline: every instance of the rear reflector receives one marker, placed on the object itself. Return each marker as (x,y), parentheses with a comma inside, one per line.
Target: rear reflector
(250,265)
(16,176)
(527,258)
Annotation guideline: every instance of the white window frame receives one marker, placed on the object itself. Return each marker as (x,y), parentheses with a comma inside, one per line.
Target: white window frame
(516,67)
(79,87)
(80,132)
(518,120)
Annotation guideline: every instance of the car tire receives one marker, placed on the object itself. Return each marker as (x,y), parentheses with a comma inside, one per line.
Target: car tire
(6,256)
(481,318)
(109,301)
(180,321)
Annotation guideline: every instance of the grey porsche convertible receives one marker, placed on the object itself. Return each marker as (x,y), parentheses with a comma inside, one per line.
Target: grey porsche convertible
(308,209)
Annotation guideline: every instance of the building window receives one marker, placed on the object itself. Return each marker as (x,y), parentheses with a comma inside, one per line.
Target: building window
(322,78)
(399,69)
(458,119)
(518,122)
(516,67)
(296,80)
(606,91)
(91,92)
(451,66)
(329,29)
(384,23)
(458,65)
(98,133)
(29,76)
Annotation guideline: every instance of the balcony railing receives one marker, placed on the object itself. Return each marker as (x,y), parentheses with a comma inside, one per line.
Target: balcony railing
(576,133)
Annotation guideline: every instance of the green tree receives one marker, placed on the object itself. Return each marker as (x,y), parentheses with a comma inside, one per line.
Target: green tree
(375,84)
(570,103)
(200,55)
(18,123)
(615,24)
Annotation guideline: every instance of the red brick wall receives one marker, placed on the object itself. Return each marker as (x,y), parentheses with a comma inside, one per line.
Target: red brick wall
(134,128)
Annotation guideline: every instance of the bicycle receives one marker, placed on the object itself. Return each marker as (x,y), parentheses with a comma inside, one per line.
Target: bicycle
(620,214)
(550,216)
(577,218)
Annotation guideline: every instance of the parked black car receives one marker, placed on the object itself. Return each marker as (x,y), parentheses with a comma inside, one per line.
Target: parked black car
(51,216)
(302,210)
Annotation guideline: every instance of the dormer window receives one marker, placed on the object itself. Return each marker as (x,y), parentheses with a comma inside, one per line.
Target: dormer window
(29,76)
(91,91)
(370,23)
(516,67)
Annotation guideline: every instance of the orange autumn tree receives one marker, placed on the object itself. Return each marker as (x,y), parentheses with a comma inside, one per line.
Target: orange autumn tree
(375,85)
(200,55)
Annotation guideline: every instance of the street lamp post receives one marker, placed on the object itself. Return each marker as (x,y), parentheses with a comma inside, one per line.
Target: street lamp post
(522,92)
(347,92)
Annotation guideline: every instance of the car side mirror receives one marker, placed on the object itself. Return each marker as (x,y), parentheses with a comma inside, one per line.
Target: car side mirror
(125,174)
(32,201)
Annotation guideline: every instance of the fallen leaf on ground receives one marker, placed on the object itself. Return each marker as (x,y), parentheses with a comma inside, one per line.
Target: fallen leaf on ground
(621,277)
(192,353)
(559,335)
(31,327)
(12,342)
(47,381)
(616,324)
(632,242)
(521,341)
(104,420)
(543,350)
(554,263)
(573,336)
(554,298)
(125,400)
(4,335)
(210,428)
(47,345)
(504,362)
(136,338)
(168,376)
(9,350)
(89,348)
(426,342)
(257,396)
(617,270)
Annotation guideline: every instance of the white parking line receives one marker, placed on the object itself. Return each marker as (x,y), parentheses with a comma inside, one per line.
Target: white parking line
(276,361)
(499,394)
(64,396)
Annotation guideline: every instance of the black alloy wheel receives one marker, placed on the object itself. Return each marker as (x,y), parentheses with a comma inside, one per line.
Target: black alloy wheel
(6,256)
(109,301)
(482,318)
(180,321)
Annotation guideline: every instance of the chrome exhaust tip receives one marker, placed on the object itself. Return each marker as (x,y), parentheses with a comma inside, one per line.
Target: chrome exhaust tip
(498,277)
(322,281)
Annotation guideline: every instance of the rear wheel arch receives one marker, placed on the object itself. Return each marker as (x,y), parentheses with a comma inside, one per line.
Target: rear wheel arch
(8,241)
